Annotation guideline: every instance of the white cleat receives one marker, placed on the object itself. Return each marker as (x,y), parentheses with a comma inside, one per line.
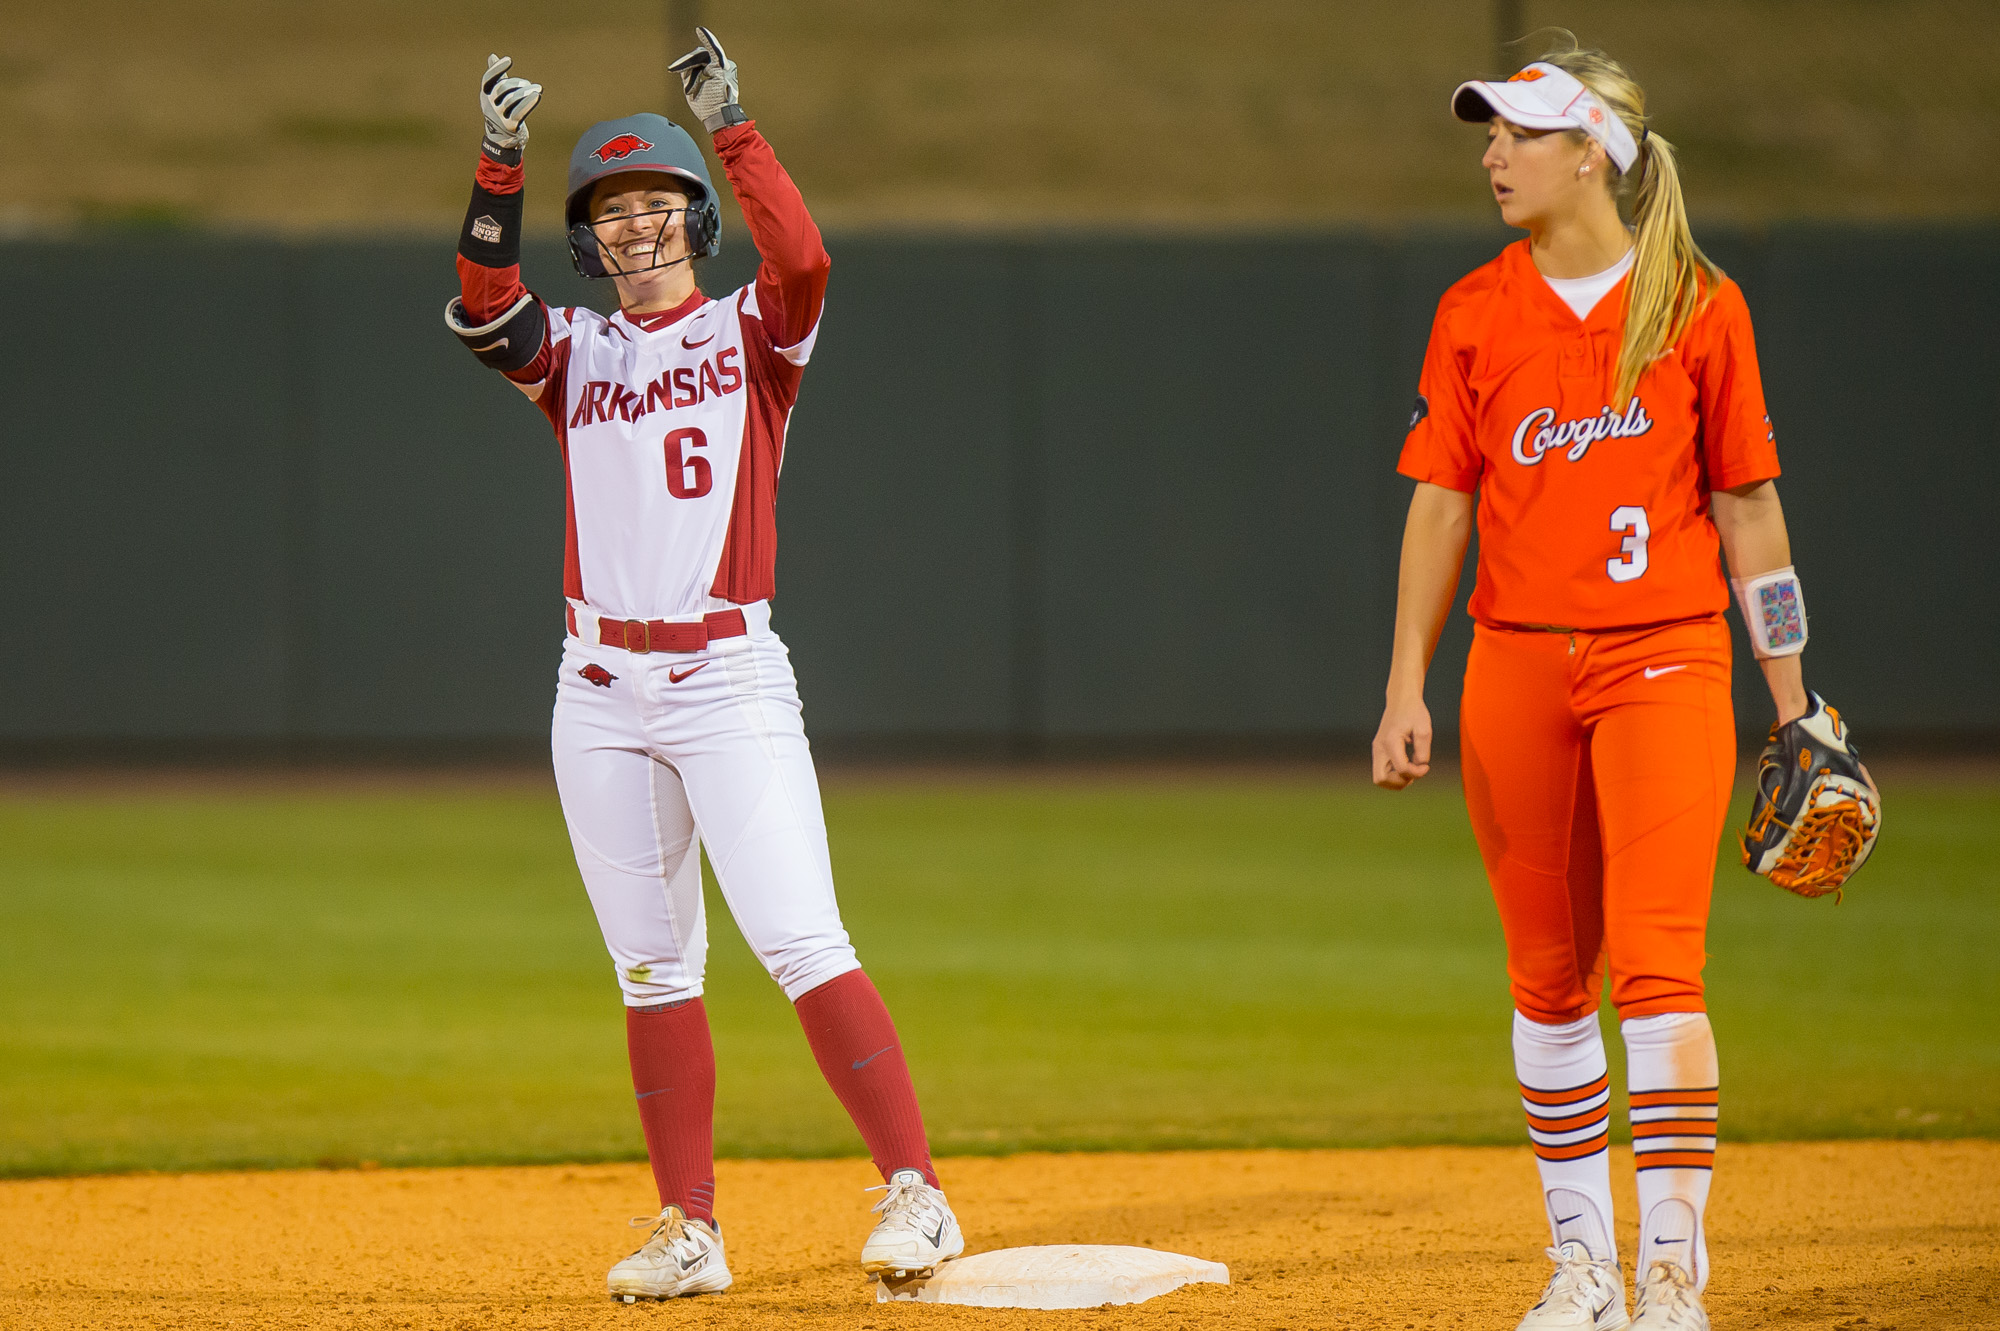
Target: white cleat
(917,1232)
(1583,1294)
(681,1256)
(1668,1300)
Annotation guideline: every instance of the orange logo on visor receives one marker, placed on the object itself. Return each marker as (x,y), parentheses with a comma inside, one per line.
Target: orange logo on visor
(1526,76)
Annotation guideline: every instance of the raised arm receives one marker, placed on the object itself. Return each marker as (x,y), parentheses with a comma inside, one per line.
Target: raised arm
(791,280)
(504,325)
(1434,540)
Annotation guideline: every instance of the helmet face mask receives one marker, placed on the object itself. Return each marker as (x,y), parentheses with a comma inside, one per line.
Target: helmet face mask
(644,142)
(589,237)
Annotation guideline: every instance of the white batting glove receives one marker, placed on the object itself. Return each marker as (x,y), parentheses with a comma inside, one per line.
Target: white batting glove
(506,103)
(708,77)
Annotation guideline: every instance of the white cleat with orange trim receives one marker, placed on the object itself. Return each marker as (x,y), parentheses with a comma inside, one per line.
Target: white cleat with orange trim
(1669,1301)
(1583,1295)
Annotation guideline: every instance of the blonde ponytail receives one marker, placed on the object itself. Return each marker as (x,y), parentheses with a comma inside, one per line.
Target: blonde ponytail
(1671,279)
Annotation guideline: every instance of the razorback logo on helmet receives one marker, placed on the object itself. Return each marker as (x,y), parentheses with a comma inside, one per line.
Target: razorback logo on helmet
(622,146)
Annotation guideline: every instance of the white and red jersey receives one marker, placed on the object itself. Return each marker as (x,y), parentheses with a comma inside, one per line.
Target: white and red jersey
(672,425)
(673,435)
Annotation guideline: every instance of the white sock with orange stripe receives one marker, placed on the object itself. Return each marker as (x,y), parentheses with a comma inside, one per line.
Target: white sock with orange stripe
(1567,1095)
(1671,1070)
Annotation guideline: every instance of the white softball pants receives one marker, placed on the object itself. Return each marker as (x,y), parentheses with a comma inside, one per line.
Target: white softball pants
(658,755)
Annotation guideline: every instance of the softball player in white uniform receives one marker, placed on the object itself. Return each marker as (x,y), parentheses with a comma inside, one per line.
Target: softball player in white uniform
(677,720)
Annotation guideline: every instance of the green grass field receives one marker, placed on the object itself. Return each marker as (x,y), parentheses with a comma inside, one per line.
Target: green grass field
(410,974)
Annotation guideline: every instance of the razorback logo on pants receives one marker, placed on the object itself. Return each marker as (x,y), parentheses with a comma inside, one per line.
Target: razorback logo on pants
(631,763)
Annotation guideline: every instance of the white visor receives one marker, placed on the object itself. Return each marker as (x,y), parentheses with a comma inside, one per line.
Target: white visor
(1544,97)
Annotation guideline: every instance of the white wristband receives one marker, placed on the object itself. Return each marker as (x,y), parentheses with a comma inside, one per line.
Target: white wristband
(1774,610)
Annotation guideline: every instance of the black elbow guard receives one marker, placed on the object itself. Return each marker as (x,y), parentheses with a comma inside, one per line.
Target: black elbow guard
(510,341)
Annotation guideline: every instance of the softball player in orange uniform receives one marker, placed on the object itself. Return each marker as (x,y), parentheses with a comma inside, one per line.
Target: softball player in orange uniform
(1596,388)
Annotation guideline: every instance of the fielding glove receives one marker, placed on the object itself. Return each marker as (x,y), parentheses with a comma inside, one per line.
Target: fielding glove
(708,77)
(1816,813)
(506,103)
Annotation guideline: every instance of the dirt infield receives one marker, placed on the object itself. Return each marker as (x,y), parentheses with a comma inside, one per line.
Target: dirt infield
(1871,1235)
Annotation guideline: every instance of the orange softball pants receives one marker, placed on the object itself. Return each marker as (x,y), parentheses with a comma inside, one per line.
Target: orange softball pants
(1597,775)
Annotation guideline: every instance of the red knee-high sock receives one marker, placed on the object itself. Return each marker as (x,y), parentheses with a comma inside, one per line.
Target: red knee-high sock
(673,1075)
(855,1042)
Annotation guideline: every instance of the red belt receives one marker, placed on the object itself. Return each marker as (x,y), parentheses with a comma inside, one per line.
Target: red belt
(660,635)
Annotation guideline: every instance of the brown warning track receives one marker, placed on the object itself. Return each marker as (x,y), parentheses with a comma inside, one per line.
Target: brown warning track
(1863,1236)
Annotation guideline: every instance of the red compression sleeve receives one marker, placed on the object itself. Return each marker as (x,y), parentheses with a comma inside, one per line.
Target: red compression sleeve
(791,281)
(488,293)
(673,1075)
(854,1041)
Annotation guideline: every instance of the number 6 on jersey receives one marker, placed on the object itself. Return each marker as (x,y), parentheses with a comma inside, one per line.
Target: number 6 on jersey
(688,474)
(1631,519)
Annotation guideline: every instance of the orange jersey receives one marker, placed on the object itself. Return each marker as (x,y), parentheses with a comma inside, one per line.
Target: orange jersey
(1592,514)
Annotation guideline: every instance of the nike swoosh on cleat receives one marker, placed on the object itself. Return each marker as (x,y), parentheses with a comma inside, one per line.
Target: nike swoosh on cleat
(1655,672)
(936,1239)
(872,1057)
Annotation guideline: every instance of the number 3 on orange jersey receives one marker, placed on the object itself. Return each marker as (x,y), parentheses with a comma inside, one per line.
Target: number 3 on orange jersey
(1630,519)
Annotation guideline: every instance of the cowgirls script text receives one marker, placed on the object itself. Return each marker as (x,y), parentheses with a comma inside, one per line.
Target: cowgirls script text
(1540,433)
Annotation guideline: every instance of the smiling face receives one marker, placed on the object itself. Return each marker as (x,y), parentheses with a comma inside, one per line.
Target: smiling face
(639,220)
(1540,177)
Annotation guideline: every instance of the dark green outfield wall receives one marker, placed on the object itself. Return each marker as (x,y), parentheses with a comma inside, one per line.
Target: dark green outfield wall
(1038,495)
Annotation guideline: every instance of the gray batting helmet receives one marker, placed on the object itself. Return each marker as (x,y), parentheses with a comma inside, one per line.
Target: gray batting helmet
(643,142)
